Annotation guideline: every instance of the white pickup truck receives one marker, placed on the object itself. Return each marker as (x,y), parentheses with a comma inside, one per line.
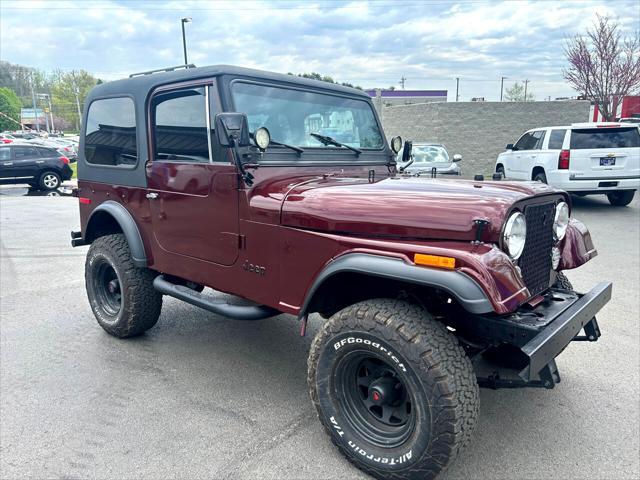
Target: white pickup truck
(583,158)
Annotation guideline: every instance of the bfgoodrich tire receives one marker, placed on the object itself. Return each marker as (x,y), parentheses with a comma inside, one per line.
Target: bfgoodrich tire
(393,389)
(121,295)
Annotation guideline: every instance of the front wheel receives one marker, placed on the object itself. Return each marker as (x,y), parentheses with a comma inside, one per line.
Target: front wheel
(621,198)
(393,389)
(121,295)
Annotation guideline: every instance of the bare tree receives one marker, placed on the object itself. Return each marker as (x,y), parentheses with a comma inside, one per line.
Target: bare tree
(604,66)
(517,93)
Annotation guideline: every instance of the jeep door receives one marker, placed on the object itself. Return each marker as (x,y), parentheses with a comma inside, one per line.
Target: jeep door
(193,196)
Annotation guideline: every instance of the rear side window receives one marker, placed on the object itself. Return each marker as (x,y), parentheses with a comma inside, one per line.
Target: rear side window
(5,153)
(587,138)
(531,141)
(556,139)
(110,138)
(22,153)
(180,126)
(48,152)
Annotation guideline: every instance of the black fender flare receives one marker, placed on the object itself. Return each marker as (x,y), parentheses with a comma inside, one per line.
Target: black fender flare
(461,287)
(128,226)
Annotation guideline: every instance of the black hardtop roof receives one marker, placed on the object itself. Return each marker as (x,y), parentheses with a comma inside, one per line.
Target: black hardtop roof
(142,84)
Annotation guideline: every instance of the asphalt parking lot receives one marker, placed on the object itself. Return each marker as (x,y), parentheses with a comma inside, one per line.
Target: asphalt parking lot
(203,397)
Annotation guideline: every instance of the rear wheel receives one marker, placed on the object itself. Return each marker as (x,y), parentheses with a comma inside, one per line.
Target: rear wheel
(121,295)
(500,170)
(49,181)
(621,198)
(393,389)
(540,177)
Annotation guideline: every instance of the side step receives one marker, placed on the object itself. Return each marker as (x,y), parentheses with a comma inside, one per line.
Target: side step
(235,312)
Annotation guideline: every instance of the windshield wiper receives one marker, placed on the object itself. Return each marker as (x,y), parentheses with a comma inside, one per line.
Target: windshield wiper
(325,140)
(298,150)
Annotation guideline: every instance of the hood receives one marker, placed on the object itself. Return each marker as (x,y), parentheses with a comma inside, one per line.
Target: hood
(411,207)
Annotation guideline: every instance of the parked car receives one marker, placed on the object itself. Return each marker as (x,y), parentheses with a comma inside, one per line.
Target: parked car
(6,138)
(41,167)
(585,159)
(65,148)
(427,156)
(424,282)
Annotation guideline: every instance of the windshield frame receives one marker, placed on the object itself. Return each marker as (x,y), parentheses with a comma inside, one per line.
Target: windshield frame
(322,154)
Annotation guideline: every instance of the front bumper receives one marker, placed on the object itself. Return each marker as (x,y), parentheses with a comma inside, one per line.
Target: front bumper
(540,334)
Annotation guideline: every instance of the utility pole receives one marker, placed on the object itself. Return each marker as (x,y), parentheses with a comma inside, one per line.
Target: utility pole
(77,92)
(184,38)
(402,80)
(526,82)
(35,108)
(457,88)
(502,79)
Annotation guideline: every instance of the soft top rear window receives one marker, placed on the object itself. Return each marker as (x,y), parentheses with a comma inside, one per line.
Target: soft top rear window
(610,137)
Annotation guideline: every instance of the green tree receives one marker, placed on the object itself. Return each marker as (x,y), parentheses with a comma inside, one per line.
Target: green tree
(515,93)
(325,78)
(10,106)
(64,88)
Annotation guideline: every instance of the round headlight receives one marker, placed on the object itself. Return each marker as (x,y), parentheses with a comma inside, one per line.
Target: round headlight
(561,220)
(262,138)
(514,235)
(396,144)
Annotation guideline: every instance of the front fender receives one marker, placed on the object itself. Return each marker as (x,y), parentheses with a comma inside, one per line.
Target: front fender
(465,290)
(577,247)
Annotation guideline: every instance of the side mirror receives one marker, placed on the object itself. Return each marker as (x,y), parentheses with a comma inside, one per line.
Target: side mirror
(232,129)
(406,151)
(509,146)
(457,157)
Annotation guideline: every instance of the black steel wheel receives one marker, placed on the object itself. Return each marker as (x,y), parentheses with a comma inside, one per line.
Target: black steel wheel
(393,389)
(375,398)
(121,295)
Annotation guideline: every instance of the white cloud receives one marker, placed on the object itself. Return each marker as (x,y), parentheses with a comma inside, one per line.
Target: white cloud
(370,44)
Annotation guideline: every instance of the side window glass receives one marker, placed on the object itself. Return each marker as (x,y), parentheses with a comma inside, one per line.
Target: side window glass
(22,153)
(5,153)
(180,126)
(524,141)
(539,136)
(110,137)
(556,139)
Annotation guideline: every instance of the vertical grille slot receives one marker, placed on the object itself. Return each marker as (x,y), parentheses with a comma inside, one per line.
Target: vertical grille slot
(535,262)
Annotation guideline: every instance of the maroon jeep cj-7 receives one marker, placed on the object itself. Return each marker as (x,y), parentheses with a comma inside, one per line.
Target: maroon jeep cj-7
(285,192)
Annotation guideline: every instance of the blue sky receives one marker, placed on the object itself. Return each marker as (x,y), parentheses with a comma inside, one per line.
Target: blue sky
(372,44)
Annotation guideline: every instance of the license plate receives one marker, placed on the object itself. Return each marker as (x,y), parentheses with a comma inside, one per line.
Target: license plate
(607,161)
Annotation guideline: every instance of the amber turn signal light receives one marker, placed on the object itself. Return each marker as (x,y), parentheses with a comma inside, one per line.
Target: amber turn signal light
(434,261)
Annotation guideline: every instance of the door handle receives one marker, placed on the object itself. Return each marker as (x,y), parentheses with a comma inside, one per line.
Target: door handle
(152,195)
(8,164)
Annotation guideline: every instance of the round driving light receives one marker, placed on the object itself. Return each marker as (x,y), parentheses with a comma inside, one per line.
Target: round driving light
(396,144)
(514,235)
(262,138)
(555,258)
(561,220)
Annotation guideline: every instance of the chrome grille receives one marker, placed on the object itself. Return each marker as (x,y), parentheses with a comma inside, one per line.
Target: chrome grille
(535,262)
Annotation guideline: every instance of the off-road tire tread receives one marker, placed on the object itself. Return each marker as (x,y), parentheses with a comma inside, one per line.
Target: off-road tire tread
(562,282)
(442,366)
(144,302)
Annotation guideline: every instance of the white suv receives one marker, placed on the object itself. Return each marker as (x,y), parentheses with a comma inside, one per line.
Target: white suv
(584,158)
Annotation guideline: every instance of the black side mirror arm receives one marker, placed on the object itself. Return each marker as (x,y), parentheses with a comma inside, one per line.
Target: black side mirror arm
(246,176)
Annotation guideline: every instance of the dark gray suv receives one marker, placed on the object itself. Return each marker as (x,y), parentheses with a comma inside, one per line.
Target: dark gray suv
(41,167)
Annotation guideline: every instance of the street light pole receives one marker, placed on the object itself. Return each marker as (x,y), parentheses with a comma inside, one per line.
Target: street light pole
(502,79)
(184,38)
(35,108)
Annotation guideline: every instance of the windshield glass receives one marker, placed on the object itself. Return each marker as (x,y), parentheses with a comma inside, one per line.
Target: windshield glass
(428,154)
(292,115)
